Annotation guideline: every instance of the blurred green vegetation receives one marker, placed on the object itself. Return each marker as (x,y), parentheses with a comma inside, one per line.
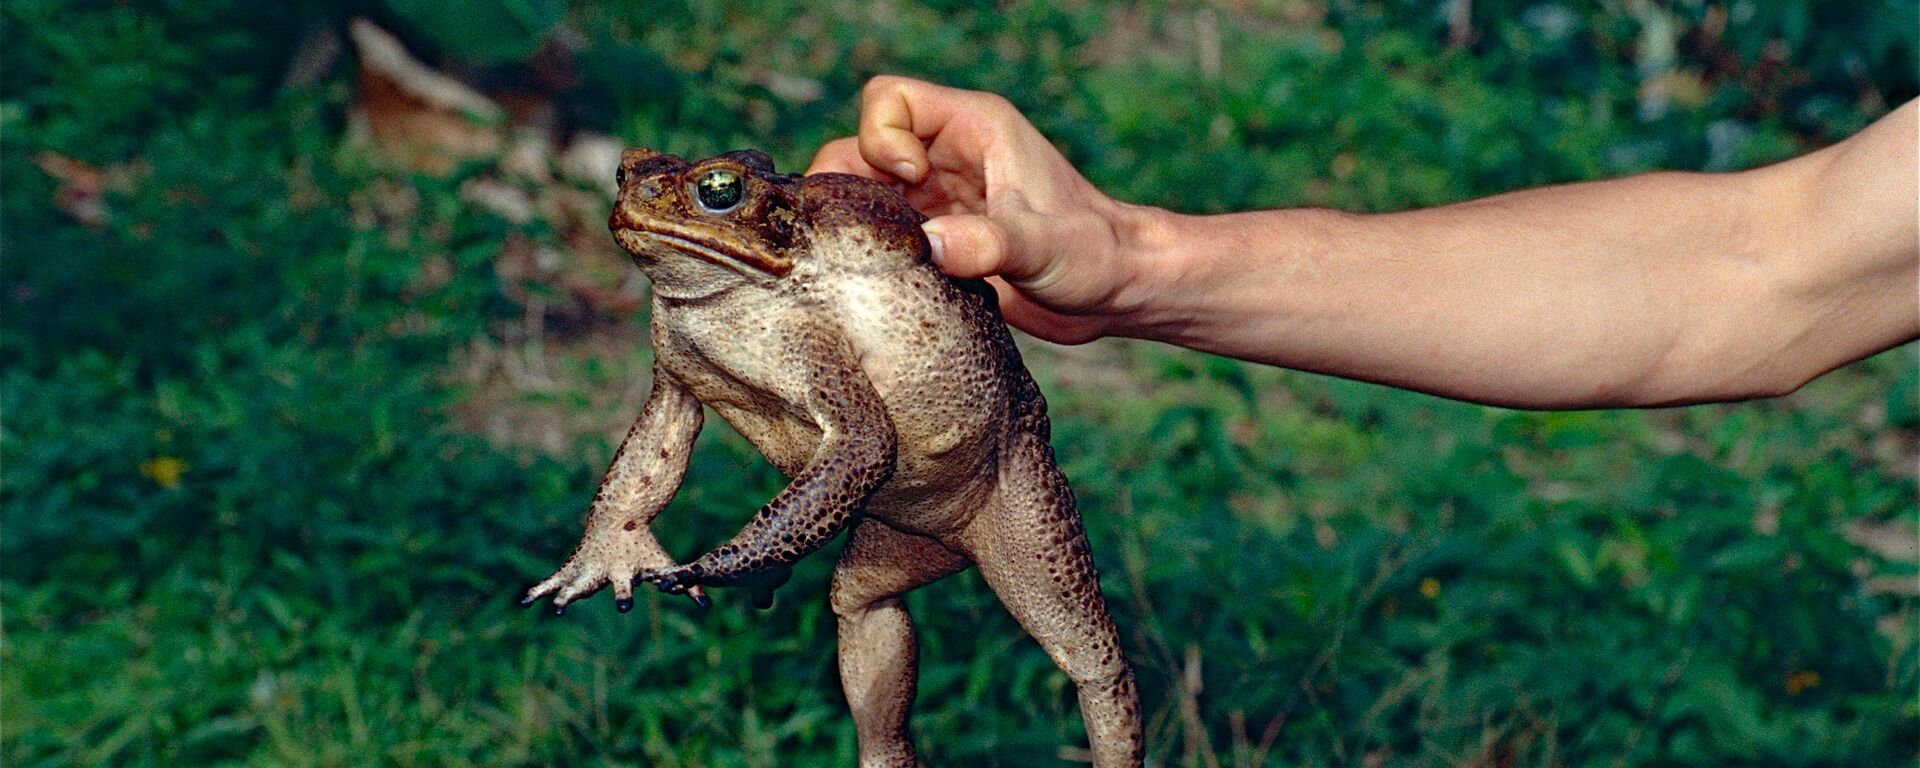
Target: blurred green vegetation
(241,522)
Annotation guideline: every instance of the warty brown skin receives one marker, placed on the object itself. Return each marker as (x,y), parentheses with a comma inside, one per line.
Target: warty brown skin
(805,312)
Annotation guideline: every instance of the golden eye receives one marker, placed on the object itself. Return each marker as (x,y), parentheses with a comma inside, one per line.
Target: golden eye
(719,190)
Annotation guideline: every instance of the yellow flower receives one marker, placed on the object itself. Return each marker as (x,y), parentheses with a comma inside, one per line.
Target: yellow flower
(1430,588)
(164,471)
(1800,680)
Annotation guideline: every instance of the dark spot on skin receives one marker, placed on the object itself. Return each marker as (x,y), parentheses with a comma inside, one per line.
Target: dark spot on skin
(631,524)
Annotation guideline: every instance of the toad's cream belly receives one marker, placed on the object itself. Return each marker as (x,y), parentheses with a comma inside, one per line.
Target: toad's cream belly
(912,341)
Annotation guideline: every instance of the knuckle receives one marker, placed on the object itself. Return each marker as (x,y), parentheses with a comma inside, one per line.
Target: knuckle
(999,109)
(881,83)
(992,240)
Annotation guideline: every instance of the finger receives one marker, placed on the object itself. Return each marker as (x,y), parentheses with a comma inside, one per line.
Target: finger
(969,246)
(898,113)
(762,595)
(544,588)
(584,585)
(699,596)
(843,156)
(887,137)
(669,580)
(623,595)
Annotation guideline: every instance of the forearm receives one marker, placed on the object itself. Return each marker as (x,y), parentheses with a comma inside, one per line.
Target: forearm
(651,461)
(1534,299)
(1657,289)
(646,471)
(822,499)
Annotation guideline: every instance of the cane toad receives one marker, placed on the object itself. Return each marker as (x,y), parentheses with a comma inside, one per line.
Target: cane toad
(805,312)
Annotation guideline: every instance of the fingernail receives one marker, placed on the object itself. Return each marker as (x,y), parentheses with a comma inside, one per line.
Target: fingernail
(526,601)
(623,604)
(936,248)
(906,171)
(559,610)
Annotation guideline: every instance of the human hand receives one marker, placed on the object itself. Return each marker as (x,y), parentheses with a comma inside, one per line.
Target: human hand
(1004,203)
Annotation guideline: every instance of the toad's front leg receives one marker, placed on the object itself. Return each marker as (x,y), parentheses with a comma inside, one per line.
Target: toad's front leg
(618,544)
(855,456)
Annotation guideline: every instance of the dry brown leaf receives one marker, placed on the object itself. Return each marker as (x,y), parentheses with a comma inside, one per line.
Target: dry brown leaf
(418,117)
(82,191)
(83,188)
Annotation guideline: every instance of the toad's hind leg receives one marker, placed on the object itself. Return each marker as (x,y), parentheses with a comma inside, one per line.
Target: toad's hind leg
(1033,552)
(878,653)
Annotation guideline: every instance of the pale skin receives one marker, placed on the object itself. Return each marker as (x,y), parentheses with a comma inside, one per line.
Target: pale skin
(1658,289)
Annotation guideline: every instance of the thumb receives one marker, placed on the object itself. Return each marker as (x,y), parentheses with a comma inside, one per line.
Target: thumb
(970,246)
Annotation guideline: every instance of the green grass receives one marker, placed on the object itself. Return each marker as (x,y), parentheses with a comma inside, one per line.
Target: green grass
(1306,571)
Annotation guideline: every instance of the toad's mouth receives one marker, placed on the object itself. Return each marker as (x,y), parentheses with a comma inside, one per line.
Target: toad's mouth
(700,243)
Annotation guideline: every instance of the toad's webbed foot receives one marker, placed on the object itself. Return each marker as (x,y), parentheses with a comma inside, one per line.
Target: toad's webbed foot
(596,564)
(645,472)
(688,579)
(679,579)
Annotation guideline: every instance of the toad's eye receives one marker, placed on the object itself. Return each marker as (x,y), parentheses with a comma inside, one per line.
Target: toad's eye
(719,190)
(620,176)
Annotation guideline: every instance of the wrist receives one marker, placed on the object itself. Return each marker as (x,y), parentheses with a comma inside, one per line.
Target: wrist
(1204,281)
(1150,266)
